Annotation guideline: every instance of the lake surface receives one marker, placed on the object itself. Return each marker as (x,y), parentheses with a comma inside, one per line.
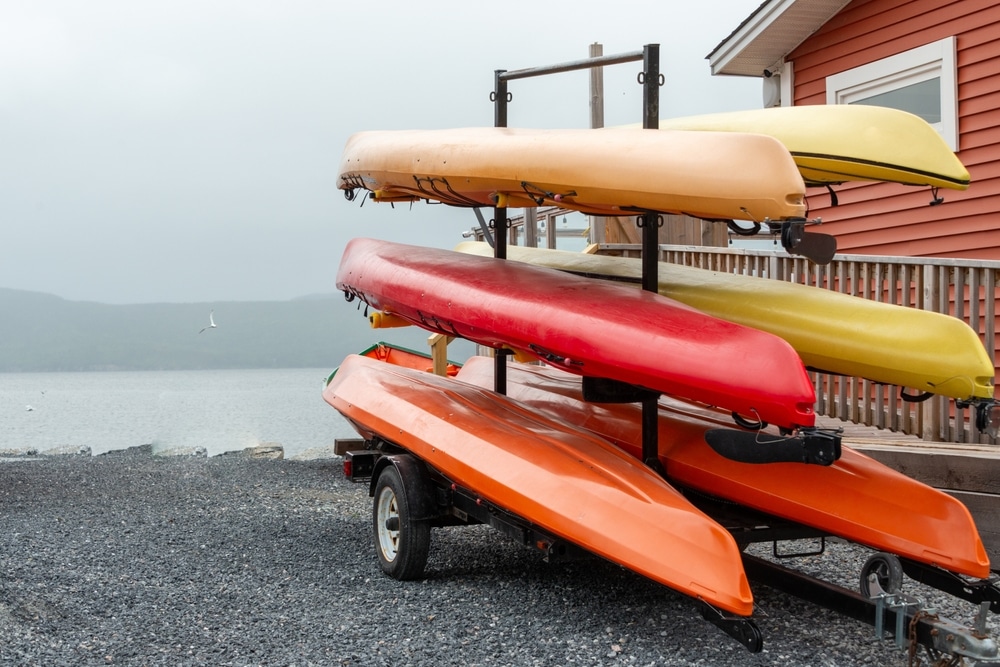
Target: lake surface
(174,411)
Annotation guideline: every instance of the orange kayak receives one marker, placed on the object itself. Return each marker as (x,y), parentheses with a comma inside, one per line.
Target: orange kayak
(401,356)
(565,480)
(856,498)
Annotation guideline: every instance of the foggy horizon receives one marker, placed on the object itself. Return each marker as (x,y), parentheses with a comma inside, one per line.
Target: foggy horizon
(188,153)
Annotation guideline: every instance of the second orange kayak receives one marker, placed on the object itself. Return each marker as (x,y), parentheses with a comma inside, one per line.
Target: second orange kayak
(856,498)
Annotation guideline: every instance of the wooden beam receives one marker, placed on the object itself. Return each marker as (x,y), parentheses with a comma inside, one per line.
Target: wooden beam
(439,353)
(596,88)
(956,468)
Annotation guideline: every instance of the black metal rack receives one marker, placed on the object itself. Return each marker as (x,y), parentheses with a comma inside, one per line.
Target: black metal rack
(649,221)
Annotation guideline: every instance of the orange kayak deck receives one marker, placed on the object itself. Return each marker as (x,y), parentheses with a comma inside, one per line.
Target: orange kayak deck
(401,356)
(856,498)
(567,481)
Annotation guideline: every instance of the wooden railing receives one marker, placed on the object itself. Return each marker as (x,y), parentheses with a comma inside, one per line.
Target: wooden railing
(966,289)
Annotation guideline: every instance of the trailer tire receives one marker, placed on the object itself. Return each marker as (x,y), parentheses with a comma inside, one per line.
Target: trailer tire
(888,570)
(402,542)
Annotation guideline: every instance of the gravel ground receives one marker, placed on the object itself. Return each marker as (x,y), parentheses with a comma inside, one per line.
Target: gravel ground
(146,560)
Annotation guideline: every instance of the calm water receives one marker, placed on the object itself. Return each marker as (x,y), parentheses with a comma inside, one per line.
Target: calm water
(174,410)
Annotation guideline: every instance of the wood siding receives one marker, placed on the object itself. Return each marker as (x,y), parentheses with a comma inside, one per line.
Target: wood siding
(889,219)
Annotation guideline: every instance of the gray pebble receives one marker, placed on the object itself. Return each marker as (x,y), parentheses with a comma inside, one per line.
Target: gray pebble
(144,560)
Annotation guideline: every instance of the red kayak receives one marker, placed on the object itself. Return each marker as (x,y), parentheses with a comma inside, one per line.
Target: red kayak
(587,327)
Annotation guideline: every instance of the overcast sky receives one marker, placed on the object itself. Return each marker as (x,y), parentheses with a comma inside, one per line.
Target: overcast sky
(187,151)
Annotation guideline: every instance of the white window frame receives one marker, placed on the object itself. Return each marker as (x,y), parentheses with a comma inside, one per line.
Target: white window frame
(923,63)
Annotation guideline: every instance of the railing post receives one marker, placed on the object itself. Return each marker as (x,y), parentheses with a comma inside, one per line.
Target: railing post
(531,227)
(930,420)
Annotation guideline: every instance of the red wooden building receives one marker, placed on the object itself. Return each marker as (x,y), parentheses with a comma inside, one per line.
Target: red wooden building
(937,58)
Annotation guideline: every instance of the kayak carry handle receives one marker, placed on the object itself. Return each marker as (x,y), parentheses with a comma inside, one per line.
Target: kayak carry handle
(812,445)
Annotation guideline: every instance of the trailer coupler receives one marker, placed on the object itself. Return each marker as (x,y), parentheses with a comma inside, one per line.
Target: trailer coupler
(913,625)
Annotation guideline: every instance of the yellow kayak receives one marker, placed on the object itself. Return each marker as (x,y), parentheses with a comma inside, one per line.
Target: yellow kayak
(838,143)
(832,332)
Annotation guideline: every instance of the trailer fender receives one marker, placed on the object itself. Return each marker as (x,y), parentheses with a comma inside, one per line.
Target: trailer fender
(416,483)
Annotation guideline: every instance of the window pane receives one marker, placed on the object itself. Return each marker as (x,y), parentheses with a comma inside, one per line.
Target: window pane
(922,99)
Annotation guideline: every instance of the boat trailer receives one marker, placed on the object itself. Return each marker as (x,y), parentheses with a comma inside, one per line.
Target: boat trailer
(418,495)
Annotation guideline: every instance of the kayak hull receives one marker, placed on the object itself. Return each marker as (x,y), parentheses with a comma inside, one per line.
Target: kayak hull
(714,175)
(837,143)
(590,328)
(565,480)
(855,498)
(831,332)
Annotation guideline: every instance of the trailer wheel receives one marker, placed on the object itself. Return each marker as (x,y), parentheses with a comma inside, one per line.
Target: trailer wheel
(402,543)
(888,570)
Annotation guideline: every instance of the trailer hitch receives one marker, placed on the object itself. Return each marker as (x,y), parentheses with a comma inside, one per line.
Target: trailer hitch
(915,626)
(883,610)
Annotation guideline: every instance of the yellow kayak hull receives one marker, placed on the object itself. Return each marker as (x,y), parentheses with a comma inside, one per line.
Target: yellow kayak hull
(840,143)
(832,332)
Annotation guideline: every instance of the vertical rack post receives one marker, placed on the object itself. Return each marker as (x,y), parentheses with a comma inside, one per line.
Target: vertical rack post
(651,80)
(650,245)
(500,99)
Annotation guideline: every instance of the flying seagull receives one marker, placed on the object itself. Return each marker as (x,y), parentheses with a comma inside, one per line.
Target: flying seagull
(211,321)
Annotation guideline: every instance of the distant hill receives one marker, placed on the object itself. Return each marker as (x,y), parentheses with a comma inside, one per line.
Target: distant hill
(42,332)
